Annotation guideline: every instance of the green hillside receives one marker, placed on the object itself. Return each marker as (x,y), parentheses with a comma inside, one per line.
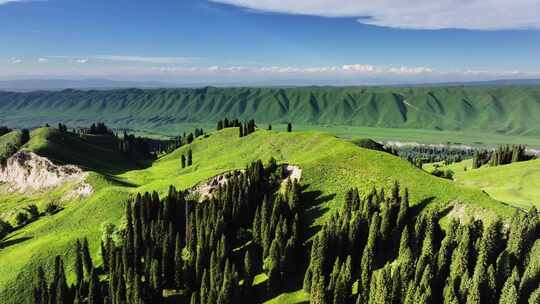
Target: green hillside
(517,184)
(9,143)
(498,110)
(91,152)
(330,166)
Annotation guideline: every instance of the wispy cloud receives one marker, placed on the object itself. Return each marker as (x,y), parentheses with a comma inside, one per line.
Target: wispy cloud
(347,69)
(43,60)
(419,14)
(8,1)
(144,59)
(354,73)
(131,59)
(15,60)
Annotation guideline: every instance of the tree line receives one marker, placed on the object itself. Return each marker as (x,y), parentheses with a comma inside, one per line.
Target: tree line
(182,140)
(503,155)
(423,154)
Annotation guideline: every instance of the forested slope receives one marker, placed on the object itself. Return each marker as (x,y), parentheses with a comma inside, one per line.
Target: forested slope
(329,167)
(499,109)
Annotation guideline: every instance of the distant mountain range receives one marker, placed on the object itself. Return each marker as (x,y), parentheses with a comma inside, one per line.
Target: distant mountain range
(511,109)
(25,85)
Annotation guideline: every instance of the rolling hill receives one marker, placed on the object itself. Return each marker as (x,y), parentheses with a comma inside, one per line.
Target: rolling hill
(517,184)
(330,166)
(508,110)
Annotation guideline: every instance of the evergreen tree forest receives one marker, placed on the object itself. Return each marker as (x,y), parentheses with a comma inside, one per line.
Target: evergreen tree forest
(503,155)
(175,250)
(422,154)
(376,251)
(226,123)
(179,141)
(244,129)
(247,128)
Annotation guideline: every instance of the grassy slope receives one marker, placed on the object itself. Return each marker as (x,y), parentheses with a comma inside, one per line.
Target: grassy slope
(93,153)
(517,184)
(11,139)
(38,243)
(329,165)
(499,109)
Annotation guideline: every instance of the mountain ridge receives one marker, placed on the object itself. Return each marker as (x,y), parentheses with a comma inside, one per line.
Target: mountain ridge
(508,110)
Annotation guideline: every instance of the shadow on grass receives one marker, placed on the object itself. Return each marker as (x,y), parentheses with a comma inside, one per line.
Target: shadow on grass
(10,241)
(418,208)
(291,283)
(120,182)
(313,204)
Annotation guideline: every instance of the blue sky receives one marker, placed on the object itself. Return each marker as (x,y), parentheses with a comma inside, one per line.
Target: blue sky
(266,41)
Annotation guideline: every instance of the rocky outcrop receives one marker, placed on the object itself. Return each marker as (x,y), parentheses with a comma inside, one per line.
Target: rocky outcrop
(27,171)
(207,189)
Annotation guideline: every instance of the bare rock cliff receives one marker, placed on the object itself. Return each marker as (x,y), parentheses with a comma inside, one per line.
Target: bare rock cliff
(27,171)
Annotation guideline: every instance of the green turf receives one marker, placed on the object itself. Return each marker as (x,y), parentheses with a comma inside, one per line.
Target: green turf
(517,184)
(330,167)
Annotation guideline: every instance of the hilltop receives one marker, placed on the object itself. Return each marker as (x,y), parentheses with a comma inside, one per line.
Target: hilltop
(506,110)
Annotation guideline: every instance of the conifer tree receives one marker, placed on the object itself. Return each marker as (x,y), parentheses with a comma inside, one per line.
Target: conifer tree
(190,158)
(87,259)
(79,273)
(535,296)
(509,293)
(94,288)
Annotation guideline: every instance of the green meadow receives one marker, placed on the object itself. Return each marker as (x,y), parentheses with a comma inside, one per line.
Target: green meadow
(517,184)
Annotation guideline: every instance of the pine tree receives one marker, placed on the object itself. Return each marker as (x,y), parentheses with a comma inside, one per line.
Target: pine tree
(535,296)
(289,127)
(94,289)
(190,158)
(183,159)
(87,259)
(178,262)
(79,273)
(509,293)
(61,285)
(249,268)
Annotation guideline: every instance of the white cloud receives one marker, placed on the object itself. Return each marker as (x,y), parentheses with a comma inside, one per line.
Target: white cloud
(131,59)
(413,14)
(43,60)
(354,73)
(143,59)
(8,1)
(15,60)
